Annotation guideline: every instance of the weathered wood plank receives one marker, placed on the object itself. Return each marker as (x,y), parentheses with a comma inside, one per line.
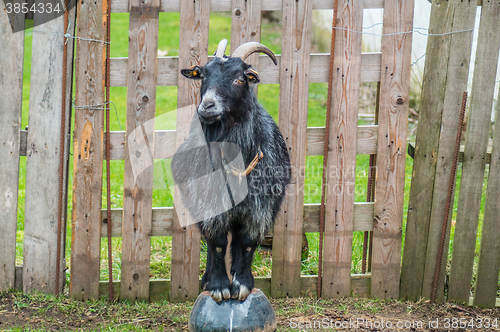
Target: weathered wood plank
(139,149)
(489,261)
(473,166)
(87,153)
(186,239)
(441,100)
(42,160)
(460,46)
(391,149)
(294,98)
(159,288)
(11,96)
(366,140)
(341,168)
(162,220)
(164,142)
(362,221)
(245,26)
(121,6)
(168,69)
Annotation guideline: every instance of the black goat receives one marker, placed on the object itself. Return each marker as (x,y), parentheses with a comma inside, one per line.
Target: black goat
(230,127)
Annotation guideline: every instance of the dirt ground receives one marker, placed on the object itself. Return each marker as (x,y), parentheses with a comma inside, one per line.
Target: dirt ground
(20,312)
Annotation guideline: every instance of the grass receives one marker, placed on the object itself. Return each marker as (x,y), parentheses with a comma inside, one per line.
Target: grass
(166,103)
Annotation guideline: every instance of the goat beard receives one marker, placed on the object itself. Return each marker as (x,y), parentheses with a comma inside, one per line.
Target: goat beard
(218,131)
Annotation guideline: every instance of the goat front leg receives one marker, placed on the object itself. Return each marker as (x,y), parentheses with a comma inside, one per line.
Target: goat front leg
(215,280)
(242,250)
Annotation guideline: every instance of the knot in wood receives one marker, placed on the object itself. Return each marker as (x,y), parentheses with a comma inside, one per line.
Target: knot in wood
(138,154)
(135,276)
(237,12)
(400,101)
(145,99)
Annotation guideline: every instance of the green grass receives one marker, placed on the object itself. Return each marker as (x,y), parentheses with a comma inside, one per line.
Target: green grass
(166,103)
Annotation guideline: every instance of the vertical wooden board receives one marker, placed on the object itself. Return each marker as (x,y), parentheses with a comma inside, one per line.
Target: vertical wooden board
(294,98)
(391,149)
(245,26)
(341,168)
(426,147)
(139,149)
(193,48)
(11,96)
(43,153)
(473,166)
(489,256)
(87,152)
(464,14)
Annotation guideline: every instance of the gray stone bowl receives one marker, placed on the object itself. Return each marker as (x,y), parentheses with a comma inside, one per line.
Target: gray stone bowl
(254,314)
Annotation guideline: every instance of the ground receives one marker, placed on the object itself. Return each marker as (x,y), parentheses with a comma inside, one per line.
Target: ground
(20,312)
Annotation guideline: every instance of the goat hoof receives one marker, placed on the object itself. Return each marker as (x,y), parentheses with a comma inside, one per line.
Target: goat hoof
(239,291)
(216,295)
(244,292)
(219,295)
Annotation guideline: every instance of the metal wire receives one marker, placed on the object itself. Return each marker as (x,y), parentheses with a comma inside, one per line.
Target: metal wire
(449,198)
(61,157)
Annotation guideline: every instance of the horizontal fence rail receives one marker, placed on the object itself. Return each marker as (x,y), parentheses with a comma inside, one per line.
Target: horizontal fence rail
(168,69)
(122,6)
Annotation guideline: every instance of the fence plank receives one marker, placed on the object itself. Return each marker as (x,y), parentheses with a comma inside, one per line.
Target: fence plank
(11,96)
(121,6)
(139,149)
(87,153)
(308,285)
(441,100)
(489,260)
(478,124)
(42,160)
(186,240)
(164,142)
(460,47)
(245,26)
(168,69)
(339,212)
(391,149)
(162,220)
(294,98)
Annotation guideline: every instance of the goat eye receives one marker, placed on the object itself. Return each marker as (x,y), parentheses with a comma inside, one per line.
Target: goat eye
(238,81)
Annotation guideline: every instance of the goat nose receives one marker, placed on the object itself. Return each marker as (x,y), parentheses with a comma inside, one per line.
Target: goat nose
(208,103)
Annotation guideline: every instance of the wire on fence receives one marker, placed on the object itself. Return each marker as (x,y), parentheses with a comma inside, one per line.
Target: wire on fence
(402,33)
(99,107)
(68,35)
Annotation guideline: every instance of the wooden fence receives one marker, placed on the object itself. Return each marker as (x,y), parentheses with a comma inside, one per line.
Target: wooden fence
(40,145)
(438,121)
(142,71)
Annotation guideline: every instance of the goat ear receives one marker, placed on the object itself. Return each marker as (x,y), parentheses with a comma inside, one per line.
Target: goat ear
(252,75)
(193,73)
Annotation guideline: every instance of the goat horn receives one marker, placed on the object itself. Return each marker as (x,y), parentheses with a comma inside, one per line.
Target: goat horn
(244,51)
(221,49)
